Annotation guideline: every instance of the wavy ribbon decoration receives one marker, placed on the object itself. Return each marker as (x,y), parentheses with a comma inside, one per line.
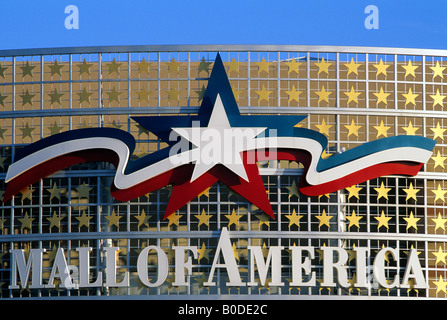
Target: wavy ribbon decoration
(403,155)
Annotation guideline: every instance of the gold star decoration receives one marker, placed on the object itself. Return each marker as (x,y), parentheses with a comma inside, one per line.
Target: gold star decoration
(84,220)
(440,285)
(204,66)
(27,98)
(27,131)
(205,193)
(323,127)
(113,219)
(383,220)
(143,95)
(55,192)
(294,218)
(201,93)
(236,251)
(114,95)
(203,252)
(26,222)
(411,283)
(440,222)
(411,221)
(293,94)
(410,97)
(439,193)
(381,130)
(325,155)
(173,66)
(236,93)
(440,255)
(324,219)
(410,130)
(293,66)
(386,254)
(203,218)
(2,99)
(352,95)
(438,99)
(409,69)
(174,219)
(27,193)
(234,66)
(353,129)
(354,191)
(412,248)
(83,125)
(54,128)
(83,190)
(55,221)
(352,67)
(55,68)
(142,130)
(382,191)
(263,65)
(411,192)
(143,219)
(381,96)
(84,96)
(323,95)
(263,219)
(438,131)
(173,94)
(84,67)
(143,66)
(2,165)
(323,66)
(233,218)
(437,71)
(2,133)
(320,281)
(2,224)
(381,68)
(114,67)
(27,70)
(55,96)
(293,189)
(354,220)
(2,71)
(203,278)
(116,125)
(353,281)
(170,281)
(263,94)
(320,253)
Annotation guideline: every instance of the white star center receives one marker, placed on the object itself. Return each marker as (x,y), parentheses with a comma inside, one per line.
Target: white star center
(219,143)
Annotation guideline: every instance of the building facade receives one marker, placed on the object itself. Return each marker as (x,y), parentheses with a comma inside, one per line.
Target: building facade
(351,95)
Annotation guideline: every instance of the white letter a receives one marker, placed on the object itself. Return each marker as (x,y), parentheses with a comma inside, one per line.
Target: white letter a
(225,247)
(372,21)
(72,20)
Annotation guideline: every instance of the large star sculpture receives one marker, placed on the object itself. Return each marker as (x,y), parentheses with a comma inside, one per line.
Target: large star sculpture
(218,118)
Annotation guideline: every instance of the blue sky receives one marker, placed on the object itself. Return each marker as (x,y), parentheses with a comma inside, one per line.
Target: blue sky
(38,24)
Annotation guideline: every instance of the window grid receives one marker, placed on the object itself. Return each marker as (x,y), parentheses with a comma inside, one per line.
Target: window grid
(107,87)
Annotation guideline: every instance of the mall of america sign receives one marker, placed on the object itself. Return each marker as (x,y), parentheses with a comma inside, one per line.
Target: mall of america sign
(218,144)
(334,263)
